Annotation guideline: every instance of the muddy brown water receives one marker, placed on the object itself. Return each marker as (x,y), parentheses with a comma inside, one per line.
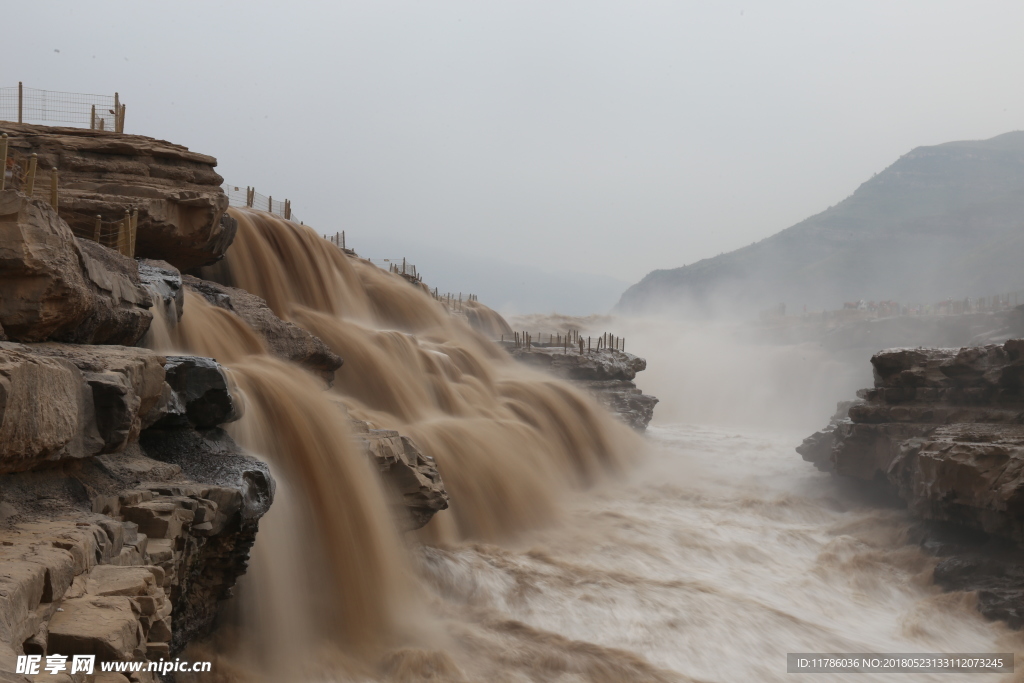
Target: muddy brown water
(573,551)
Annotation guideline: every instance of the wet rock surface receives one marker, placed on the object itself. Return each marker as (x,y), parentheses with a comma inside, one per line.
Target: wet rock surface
(57,287)
(125,515)
(177,192)
(284,339)
(163,281)
(944,430)
(607,375)
(412,476)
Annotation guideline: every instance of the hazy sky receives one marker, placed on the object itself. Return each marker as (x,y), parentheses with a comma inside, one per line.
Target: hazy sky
(601,137)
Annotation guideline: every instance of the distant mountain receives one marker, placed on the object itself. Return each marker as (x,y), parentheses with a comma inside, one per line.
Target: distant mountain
(943,221)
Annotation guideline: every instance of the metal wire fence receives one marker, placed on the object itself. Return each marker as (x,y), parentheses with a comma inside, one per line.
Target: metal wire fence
(118,235)
(249,197)
(23,173)
(31,105)
(398,266)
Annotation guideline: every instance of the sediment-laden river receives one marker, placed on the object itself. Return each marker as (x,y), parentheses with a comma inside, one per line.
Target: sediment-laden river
(719,555)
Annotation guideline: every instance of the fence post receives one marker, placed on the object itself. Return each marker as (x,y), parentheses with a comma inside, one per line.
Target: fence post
(120,237)
(120,119)
(117,110)
(53,188)
(92,118)
(135,228)
(3,154)
(31,177)
(20,99)
(288,209)
(96,231)
(342,239)
(127,234)
(270,205)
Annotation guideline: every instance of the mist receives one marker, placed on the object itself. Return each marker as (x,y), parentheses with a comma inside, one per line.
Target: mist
(600,426)
(603,138)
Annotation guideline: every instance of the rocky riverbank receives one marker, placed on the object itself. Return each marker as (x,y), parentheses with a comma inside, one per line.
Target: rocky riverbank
(127,513)
(607,375)
(941,429)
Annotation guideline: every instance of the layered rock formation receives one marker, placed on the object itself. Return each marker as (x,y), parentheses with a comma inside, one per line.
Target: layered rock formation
(177,193)
(283,339)
(606,374)
(57,287)
(127,515)
(411,475)
(942,428)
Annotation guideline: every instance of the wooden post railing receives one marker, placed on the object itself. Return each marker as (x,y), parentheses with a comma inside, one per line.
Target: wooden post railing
(30,177)
(3,155)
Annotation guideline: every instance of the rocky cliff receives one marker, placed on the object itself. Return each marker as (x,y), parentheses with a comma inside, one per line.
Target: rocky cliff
(127,514)
(607,375)
(942,429)
(177,192)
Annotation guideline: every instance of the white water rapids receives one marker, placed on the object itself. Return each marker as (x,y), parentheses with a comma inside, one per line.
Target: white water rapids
(720,555)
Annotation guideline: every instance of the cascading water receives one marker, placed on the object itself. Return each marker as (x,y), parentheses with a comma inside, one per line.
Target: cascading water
(508,442)
(712,560)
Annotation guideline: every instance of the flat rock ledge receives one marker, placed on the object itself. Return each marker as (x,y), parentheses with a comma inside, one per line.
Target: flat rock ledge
(607,375)
(944,430)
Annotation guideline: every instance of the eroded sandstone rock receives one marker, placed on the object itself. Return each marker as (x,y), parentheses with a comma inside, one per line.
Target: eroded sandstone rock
(942,429)
(284,339)
(165,286)
(412,476)
(137,563)
(607,375)
(177,193)
(55,287)
(63,401)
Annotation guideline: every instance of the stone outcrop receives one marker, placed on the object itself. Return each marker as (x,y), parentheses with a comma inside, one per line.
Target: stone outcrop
(62,401)
(59,401)
(284,339)
(141,573)
(56,287)
(164,284)
(410,474)
(182,208)
(125,554)
(944,430)
(607,374)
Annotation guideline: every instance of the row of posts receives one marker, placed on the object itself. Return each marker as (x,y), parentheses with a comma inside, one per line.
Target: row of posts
(98,122)
(250,201)
(406,269)
(524,340)
(453,301)
(29,186)
(337,239)
(95,123)
(126,228)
